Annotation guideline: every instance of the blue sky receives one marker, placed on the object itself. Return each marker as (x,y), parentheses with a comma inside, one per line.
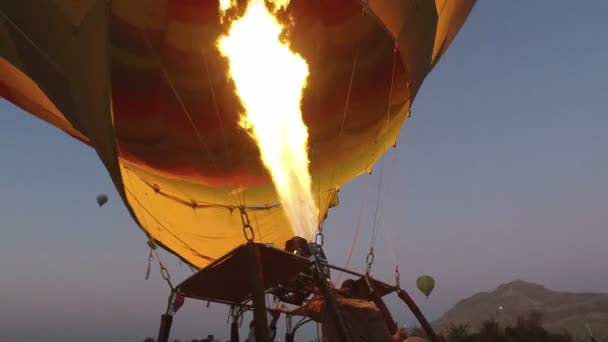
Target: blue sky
(501,173)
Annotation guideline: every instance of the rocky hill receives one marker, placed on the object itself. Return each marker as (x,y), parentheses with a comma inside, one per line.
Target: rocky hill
(572,312)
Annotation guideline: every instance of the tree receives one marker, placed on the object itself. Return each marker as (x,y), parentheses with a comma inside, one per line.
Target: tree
(460,333)
(527,328)
(490,331)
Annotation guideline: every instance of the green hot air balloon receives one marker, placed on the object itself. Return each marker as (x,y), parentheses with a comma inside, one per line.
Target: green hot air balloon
(425,284)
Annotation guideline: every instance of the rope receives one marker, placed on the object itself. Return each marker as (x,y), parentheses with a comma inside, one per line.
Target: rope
(257,226)
(214,98)
(390,92)
(166,229)
(219,118)
(370,256)
(358,228)
(31,42)
(392,249)
(204,146)
(374,227)
(344,116)
(345,113)
(145,221)
(393,239)
(181,103)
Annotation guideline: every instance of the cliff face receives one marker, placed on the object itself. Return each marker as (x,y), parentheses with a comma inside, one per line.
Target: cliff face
(561,310)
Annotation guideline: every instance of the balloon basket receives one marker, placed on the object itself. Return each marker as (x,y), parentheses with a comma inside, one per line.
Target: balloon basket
(245,276)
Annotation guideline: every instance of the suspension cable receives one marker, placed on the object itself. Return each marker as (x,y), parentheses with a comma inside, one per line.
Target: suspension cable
(164,272)
(369,260)
(182,105)
(358,227)
(370,256)
(204,147)
(345,112)
(166,275)
(32,43)
(392,237)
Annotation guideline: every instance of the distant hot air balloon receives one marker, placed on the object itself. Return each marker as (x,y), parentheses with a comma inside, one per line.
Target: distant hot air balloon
(102,199)
(144,84)
(425,284)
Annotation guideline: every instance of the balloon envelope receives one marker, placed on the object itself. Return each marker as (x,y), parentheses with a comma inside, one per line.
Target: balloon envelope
(142,82)
(425,284)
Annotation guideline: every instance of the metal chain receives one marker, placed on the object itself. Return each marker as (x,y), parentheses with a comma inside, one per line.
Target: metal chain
(247,228)
(369,260)
(164,272)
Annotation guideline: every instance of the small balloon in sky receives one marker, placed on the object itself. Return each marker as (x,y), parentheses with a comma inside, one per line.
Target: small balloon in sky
(102,199)
(425,284)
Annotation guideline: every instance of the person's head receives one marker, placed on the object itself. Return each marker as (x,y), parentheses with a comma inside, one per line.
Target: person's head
(352,289)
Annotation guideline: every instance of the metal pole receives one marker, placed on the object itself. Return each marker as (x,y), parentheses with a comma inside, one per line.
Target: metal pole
(289,333)
(386,314)
(405,297)
(165,328)
(332,304)
(256,282)
(167,319)
(234,331)
(360,275)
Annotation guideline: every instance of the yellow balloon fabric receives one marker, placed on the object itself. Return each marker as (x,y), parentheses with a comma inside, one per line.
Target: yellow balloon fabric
(142,82)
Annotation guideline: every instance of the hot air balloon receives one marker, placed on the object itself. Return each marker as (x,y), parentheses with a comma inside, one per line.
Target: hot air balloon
(143,83)
(102,199)
(425,284)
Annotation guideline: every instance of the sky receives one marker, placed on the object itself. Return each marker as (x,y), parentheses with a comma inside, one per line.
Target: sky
(500,174)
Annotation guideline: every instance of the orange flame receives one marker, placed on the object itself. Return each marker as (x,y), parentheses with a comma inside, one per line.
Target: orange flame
(270,80)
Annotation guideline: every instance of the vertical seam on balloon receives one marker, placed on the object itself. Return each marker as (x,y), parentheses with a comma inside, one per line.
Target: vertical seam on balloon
(181,103)
(217,112)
